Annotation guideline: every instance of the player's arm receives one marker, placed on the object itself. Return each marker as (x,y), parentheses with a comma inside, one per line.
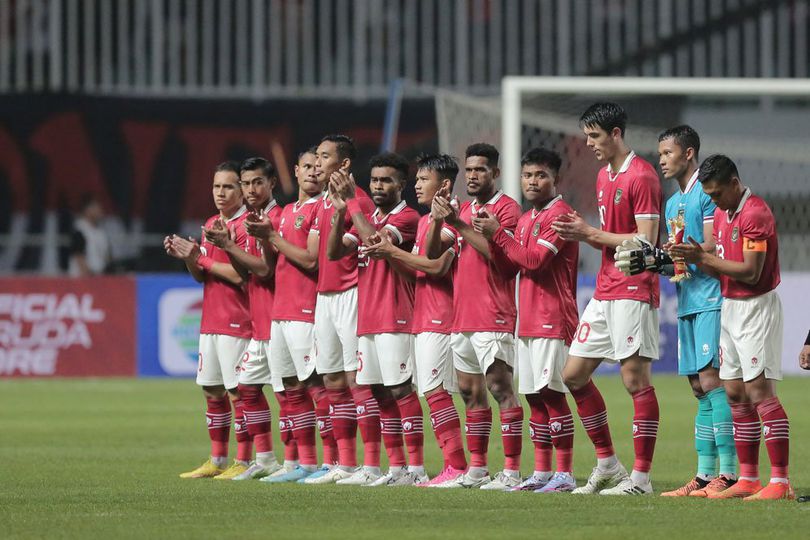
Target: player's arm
(182,249)
(304,258)
(748,271)
(573,227)
(198,264)
(223,238)
(406,262)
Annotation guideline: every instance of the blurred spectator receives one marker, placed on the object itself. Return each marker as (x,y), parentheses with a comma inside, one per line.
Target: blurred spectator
(89,243)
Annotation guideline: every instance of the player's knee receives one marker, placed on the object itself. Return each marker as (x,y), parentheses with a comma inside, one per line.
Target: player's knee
(401,390)
(633,384)
(335,381)
(574,381)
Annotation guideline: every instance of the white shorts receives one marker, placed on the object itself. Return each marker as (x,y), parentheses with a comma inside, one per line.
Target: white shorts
(385,359)
(751,337)
(616,329)
(475,352)
(255,368)
(219,360)
(336,331)
(292,349)
(434,362)
(540,364)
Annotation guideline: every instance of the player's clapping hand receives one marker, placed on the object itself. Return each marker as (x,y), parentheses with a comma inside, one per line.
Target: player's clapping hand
(186,248)
(485,224)
(804,357)
(169,247)
(344,183)
(258,225)
(379,246)
(572,227)
(691,251)
(442,209)
(218,234)
(334,195)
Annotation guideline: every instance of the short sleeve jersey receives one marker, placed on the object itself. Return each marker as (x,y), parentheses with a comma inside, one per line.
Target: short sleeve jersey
(295,288)
(548,295)
(634,192)
(385,298)
(700,292)
(751,227)
(340,275)
(484,291)
(225,306)
(261,291)
(433,303)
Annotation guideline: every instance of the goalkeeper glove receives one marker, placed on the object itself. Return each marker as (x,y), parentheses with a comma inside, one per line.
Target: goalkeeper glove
(637,255)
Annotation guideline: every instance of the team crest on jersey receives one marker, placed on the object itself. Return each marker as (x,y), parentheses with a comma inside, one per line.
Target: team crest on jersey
(618,197)
(735,233)
(299,220)
(536,229)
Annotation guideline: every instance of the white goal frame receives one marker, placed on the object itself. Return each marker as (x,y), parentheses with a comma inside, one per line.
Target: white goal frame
(513,88)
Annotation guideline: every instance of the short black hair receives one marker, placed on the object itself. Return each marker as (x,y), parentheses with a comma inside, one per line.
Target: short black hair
(345,145)
(606,115)
(684,136)
(445,165)
(390,159)
(258,163)
(718,168)
(311,150)
(542,156)
(229,166)
(484,150)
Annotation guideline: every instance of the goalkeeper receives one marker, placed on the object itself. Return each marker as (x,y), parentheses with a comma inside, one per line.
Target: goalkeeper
(699,302)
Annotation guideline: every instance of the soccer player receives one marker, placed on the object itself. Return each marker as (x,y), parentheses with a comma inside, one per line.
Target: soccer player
(385,312)
(484,314)
(225,327)
(699,302)
(548,316)
(292,352)
(336,331)
(257,178)
(433,312)
(746,259)
(620,323)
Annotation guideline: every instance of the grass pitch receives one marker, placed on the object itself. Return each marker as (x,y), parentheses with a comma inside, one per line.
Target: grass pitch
(100,459)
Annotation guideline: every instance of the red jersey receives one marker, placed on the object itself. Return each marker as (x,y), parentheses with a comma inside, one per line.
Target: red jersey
(751,227)
(433,301)
(484,291)
(384,298)
(261,291)
(225,306)
(634,192)
(548,273)
(295,288)
(340,275)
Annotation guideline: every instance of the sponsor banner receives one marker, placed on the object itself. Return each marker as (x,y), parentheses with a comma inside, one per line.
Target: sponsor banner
(169,309)
(60,327)
(793,293)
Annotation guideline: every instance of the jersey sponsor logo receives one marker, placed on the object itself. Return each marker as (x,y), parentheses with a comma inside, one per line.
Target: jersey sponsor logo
(403,367)
(555,427)
(545,372)
(531,431)
(306,358)
(735,234)
(536,229)
(629,340)
(361,409)
(618,197)
(635,429)
(754,361)
(766,430)
(705,348)
(407,425)
(208,420)
(321,425)
(299,220)
(505,428)
(282,425)
(434,373)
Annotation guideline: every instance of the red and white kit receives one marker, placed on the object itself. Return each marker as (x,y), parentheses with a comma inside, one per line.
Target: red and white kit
(622,317)
(225,327)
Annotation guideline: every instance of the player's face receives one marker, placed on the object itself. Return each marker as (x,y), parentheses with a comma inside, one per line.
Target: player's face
(327,161)
(227,192)
(726,195)
(538,182)
(385,186)
(256,188)
(428,182)
(305,173)
(480,175)
(672,158)
(600,142)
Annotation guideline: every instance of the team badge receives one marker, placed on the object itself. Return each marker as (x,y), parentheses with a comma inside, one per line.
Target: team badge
(735,233)
(555,427)
(754,361)
(536,229)
(299,220)
(618,197)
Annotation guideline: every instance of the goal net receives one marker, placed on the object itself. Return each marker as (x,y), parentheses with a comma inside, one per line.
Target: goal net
(760,124)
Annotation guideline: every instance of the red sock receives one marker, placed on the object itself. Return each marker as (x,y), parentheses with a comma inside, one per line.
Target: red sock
(512,436)
(392,432)
(539,433)
(368,421)
(257,416)
(561,427)
(321,399)
(218,417)
(301,412)
(592,412)
(410,409)
(645,428)
(447,427)
(747,429)
(478,427)
(244,446)
(777,435)
(344,425)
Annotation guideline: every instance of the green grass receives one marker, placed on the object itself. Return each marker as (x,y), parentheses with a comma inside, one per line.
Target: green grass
(100,458)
